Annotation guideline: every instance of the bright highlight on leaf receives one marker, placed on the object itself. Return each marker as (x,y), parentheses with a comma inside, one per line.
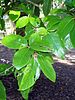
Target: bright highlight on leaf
(14,41)
(22,21)
(14,15)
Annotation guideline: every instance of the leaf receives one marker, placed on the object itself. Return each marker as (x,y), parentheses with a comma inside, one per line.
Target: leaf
(3,67)
(0,11)
(29,31)
(25,94)
(65,26)
(22,57)
(29,75)
(2,91)
(46,6)
(72,36)
(52,21)
(33,21)
(14,15)
(37,70)
(36,43)
(22,22)
(73,3)
(47,68)
(14,41)
(53,42)
(27,80)
(42,31)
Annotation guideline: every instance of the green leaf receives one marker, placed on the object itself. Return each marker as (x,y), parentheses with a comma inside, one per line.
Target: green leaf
(22,22)
(73,3)
(36,43)
(29,31)
(42,31)
(65,26)
(47,68)
(25,94)
(14,15)
(14,41)
(54,44)
(2,91)
(59,11)
(72,36)
(27,80)
(22,57)
(37,70)
(3,67)
(0,11)
(33,21)
(46,6)
(52,21)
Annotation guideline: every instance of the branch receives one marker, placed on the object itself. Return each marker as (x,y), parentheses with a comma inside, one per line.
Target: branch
(32,3)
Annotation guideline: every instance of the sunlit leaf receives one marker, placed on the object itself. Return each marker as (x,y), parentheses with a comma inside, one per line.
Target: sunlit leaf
(22,21)
(47,68)
(14,15)
(14,41)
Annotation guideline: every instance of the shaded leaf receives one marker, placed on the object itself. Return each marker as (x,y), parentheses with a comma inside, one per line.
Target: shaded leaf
(46,6)
(2,91)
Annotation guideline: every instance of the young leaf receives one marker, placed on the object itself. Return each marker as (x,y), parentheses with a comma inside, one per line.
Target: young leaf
(47,68)
(14,41)
(46,6)
(22,57)
(22,21)
(42,31)
(2,91)
(14,15)
(65,26)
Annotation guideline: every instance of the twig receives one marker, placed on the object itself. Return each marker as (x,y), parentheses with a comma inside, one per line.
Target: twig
(32,3)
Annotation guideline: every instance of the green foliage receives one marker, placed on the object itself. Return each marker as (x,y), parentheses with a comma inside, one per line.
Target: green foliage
(14,41)
(2,91)
(23,21)
(46,6)
(22,57)
(14,15)
(38,38)
(65,26)
(47,68)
